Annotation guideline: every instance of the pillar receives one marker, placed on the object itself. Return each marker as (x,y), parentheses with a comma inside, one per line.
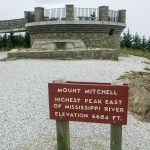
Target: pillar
(29,16)
(103,13)
(26,16)
(39,14)
(122,16)
(69,12)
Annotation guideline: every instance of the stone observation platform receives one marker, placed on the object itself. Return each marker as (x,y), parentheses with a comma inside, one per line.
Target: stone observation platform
(71,33)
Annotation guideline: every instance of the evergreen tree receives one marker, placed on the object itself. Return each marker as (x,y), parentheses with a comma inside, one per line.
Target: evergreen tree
(4,41)
(0,42)
(11,42)
(126,40)
(19,41)
(27,40)
(136,42)
(143,43)
(148,44)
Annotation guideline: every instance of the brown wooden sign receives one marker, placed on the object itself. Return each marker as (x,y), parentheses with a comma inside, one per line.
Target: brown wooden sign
(88,102)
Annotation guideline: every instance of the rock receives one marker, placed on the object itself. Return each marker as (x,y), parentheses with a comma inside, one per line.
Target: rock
(139,96)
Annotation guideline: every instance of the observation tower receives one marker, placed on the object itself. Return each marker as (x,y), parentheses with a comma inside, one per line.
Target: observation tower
(74,33)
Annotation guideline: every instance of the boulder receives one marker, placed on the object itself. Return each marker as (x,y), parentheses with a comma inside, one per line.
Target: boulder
(139,96)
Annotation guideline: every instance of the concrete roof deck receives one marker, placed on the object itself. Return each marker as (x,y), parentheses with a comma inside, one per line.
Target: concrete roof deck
(63,23)
(75,22)
(74,26)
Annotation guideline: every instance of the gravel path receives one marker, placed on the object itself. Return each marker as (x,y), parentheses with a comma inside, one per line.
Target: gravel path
(24,123)
(3,54)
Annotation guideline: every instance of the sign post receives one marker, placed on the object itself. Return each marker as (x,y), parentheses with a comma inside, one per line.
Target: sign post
(62,129)
(116,137)
(88,102)
(63,136)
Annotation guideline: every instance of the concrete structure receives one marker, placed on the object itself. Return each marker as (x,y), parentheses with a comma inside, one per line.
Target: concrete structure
(39,14)
(16,25)
(103,13)
(74,32)
(69,12)
(122,16)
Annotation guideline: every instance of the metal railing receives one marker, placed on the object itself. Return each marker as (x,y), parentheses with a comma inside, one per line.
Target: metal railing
(113,15)
(79,14)
(86,13)
(55,13)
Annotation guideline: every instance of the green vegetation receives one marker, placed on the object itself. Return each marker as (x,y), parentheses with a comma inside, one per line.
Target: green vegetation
(147,62)
(147,69)
(133,75)
(7,42)
(134,42)
(136,52)
(135,45)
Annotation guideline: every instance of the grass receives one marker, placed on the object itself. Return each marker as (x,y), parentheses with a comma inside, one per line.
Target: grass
(134,74)
(136,52)
(147,69)
(5,50)
(147,62)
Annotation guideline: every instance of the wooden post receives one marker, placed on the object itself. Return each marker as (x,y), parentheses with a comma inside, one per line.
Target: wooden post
(116,137)
(63,136)
(116,132)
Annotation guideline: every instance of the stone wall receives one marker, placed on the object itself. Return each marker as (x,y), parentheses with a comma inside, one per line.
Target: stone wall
(11,24)
(67,55)
(57,44)
(91,40)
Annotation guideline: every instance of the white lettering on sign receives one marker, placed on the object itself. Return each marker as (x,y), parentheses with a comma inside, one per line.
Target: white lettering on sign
(113,102)
(114,109)
(103,117)
(68,90)
(74,115)
(57,105)
(101,92)
(116,118)
(67,100)
(93,101)
(82,107)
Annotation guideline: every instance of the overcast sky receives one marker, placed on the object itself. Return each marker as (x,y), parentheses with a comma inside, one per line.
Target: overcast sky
(138,11)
